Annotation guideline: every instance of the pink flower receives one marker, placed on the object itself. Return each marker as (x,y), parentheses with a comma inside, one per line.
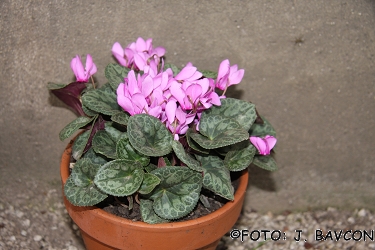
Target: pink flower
(264,145)
(138,54)
(228,75)
(83,74)
(177,120)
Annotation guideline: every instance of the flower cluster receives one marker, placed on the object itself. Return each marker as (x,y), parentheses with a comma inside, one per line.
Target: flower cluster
(178,101)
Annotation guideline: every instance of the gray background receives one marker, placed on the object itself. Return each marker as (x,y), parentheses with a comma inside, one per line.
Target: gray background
(309,67)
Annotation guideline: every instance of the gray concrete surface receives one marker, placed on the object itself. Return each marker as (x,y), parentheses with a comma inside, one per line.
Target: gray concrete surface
(309,68)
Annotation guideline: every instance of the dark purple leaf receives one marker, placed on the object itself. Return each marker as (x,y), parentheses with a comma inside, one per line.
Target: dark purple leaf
(70,94)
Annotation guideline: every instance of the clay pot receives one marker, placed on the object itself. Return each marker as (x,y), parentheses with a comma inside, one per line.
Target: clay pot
(101,230)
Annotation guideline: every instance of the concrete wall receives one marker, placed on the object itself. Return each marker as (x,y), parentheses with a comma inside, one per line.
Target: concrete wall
(309,68)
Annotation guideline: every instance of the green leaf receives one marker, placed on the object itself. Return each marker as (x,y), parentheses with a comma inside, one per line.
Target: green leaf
(73,126)
(173,67)
(94,157)
(261,130)
(115,74)
(88,111)
(150,181)
(240,158)
(52,85)
(216,177)
(218,131)
(102,100)
(209,74)
(83,172)
(195,146)
(120,118)
(79,144)
(148,214)
(124,150)
(80,189)
(149,135)
(150,167)
(241,111)
(115,133)
(178,191)
(265,162)
(184,157)
(119,177)
(103,144)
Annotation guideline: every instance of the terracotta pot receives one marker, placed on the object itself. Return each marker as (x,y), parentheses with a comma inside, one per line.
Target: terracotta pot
(101,230)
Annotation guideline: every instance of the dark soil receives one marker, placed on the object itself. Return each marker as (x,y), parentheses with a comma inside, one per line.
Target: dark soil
(119,205)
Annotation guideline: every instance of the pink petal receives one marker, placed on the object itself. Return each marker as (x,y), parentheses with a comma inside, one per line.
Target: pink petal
(223,69)
(140,45)
(170,111)
(271,141)
(139,103)
(194,91)
(260,144)
(236,77)
(147,86)
(140,60)
(186,73)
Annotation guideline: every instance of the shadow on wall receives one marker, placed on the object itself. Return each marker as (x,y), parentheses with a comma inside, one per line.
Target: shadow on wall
(261,179)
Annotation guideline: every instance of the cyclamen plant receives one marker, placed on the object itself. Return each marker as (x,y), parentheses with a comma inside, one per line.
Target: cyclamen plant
(157,134)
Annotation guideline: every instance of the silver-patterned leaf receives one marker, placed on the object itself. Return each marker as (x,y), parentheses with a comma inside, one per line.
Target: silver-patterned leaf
(216,177)
(261,130)
(239,158)
(103,144)
(73,126)
(124,150)
(80,144)
(178,191)
(120,118)
(102,100)
(241,111)
(119,177)
(265,162)
(226,138)
(83,196)
(184,157)
(150,181)
(148,214)
(149,135)
(115,74)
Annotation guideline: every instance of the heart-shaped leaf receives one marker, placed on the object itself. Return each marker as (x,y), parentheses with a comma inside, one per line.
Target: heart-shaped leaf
(149,135)
(261,130)
(195,146)
(102,100)
(125,150)
(218,131)
(120,118)
(103,144)
(73,126)
(184,157)
(115,74)
(241,111)
(265,162)
(178,191)
(119,177)
(150,181)
(240,158)
(79,189)
(80,145)
(115,133)
(216,177)
(148,214)
(94,157)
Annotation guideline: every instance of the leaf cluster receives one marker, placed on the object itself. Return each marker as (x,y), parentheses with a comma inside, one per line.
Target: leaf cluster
(136,156)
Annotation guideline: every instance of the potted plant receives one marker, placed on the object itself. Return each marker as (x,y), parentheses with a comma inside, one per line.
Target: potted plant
(159,139)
